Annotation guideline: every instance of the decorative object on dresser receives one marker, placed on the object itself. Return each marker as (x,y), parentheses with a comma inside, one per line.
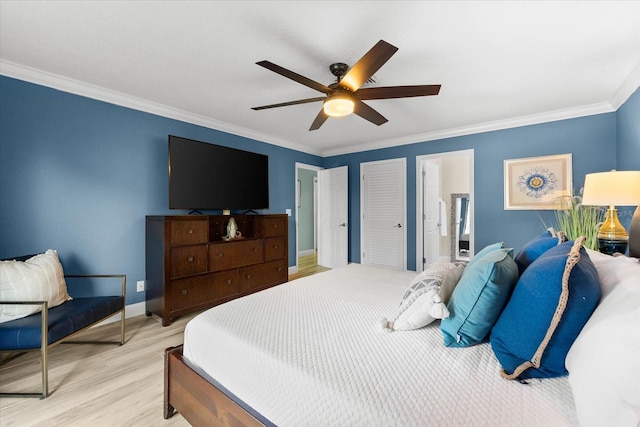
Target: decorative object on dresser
(614,188)
(232,230)
(191,265)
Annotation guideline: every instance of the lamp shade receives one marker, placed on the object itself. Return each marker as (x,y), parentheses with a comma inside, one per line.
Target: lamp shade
(617,188)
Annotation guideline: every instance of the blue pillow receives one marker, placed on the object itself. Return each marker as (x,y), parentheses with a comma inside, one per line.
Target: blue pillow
(487,249)
(536,329)
(479,297)
(536,247)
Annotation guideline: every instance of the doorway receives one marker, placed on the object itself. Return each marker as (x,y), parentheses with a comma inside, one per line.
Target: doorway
(306,200)
(435,211)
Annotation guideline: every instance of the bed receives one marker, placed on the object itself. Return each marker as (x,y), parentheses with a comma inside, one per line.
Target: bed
(313,352)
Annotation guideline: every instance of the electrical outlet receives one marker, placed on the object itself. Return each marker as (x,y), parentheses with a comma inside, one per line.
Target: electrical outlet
(140,284)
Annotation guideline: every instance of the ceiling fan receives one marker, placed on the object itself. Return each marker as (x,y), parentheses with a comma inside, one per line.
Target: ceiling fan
(345,96)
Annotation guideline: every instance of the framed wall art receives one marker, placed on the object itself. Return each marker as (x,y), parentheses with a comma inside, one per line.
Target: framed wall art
(537,183)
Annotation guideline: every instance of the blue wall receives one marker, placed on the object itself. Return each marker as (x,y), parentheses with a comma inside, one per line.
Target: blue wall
(79,175)
(592,140)
(628,154)
(628,125)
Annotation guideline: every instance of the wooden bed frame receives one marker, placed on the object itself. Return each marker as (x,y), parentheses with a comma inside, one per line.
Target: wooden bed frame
(200,402)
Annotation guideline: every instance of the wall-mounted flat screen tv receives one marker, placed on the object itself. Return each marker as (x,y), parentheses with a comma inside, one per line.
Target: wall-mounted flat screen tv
(205,176)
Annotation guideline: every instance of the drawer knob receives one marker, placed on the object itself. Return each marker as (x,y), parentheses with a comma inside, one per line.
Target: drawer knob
(279,269)
(220,254)
(229,281)
(190,259)
(275,246)
(255,249)
(248,276)
(184,292)
(190,231)
(275,225)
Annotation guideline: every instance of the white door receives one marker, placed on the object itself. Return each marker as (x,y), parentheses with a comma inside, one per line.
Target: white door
(333,220)
(383,200)
(431,209)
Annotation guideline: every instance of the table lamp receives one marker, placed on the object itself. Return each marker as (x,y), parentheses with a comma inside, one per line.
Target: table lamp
(615,188)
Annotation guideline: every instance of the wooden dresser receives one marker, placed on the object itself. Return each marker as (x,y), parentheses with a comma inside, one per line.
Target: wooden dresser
(190,267)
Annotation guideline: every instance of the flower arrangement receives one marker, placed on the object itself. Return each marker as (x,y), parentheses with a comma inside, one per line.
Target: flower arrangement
(577,220)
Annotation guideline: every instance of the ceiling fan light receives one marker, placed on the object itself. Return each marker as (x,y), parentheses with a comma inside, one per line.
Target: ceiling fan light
(338,105)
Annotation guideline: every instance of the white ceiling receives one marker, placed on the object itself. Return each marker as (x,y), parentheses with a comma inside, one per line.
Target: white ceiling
(500,64)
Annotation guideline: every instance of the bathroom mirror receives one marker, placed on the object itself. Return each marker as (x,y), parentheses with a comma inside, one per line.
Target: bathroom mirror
(460,227)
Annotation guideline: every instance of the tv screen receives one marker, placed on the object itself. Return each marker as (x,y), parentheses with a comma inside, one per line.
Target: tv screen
(208,176)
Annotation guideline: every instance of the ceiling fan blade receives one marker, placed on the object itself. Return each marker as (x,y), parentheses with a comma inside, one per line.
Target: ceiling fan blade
(368,113)
(294,76)
(319,120)
(368,65)
(285,104)
(398,91)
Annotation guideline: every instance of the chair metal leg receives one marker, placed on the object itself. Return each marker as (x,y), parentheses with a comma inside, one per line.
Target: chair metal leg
(44,354)
(122,322)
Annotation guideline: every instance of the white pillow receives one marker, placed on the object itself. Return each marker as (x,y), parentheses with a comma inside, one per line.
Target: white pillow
(40,278)
(426,298)
(611,269)
(604,372)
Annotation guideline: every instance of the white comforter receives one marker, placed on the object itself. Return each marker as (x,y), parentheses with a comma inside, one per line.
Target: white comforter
(311,353)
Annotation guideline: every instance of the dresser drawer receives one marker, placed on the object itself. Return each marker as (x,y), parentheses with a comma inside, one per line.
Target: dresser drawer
(201,290)
(235,254)
(273,226)
(188,260)
(263,275)
(275,248)
(189,232)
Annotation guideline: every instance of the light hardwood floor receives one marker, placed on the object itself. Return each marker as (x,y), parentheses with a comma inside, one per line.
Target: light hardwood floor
(96,385)
(308,265)
(101,385)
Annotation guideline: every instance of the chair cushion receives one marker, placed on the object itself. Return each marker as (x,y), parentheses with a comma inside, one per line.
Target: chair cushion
(65,319)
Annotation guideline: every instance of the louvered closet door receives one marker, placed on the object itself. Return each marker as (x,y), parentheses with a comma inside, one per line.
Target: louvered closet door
(383,201)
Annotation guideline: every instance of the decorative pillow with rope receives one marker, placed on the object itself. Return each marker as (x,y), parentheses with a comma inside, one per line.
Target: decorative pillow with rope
(537,246)
(552,301)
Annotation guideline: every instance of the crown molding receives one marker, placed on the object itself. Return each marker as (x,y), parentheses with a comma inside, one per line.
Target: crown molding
(533,119)
(76,87)
(33,75)
(627,88)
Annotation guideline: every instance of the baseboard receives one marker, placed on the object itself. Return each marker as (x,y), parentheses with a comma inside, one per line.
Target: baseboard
(306,252)
(131,310)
